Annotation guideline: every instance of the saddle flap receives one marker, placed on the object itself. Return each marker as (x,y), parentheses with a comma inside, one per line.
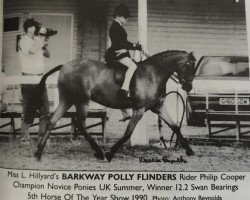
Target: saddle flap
(119,72)
(120,75)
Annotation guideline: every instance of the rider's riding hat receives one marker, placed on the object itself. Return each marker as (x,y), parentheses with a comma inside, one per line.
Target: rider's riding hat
(122,11)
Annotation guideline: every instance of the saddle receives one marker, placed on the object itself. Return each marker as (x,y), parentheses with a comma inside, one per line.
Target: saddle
(119,73)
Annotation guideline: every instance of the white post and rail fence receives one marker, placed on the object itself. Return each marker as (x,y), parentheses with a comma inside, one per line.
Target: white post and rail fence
(140,135)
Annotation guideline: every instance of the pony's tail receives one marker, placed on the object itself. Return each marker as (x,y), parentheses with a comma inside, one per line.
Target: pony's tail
(45,76)
(41,86)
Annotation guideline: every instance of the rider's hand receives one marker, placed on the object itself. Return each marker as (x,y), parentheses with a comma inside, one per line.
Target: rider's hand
(138,47)
(37,45)
(46,43)
(44,46)
(121,51)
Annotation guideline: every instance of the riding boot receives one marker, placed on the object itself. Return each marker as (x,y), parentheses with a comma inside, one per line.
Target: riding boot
(123,94)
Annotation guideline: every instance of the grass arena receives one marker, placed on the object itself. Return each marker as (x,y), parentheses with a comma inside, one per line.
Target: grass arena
(62,154)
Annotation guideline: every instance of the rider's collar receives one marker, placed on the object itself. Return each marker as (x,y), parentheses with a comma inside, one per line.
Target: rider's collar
(118,21)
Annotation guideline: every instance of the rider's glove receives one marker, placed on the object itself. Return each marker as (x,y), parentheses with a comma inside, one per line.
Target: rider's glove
(45,46)
(138,47)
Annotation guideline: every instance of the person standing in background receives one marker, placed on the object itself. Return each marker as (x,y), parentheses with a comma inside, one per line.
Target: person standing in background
(3,88)
(32,49)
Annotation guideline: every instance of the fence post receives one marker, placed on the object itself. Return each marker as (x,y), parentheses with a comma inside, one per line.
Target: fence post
(207,113)
(177,104)
(247,8)
(1,31)
(237,120)
(140,135)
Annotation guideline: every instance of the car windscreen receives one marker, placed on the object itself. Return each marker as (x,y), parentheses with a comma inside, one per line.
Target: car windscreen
(223,66)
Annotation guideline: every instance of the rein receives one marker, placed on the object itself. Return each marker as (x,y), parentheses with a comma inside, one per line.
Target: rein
(174,77)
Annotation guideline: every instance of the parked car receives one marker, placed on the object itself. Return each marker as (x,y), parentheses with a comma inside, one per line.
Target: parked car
(220,78)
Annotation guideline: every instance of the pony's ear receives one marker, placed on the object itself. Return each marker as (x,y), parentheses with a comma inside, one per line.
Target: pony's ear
(191,56)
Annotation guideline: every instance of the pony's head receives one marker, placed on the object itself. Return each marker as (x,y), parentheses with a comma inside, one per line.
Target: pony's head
(186,72)
(181,62)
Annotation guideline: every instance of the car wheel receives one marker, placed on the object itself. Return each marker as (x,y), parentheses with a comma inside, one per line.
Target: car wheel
(193,119)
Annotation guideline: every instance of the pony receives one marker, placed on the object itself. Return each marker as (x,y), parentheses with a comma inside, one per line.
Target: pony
(82,80)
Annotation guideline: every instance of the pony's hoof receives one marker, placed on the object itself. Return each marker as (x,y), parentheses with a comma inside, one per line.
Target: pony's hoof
(99,155)
(108,156)
(190,153)
(37,156)
(75,138)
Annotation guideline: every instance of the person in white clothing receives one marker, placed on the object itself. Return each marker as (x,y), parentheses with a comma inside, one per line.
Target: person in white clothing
(32,49)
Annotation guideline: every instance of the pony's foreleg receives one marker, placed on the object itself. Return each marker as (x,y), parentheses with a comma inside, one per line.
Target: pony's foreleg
(82,111)
(137,115)
(60,111)
(163,114)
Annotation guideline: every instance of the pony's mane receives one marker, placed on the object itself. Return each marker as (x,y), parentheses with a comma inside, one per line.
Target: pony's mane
(166,53)
(169,52)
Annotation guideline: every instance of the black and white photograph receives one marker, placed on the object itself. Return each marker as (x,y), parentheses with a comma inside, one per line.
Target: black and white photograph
(124,100)
(138,85)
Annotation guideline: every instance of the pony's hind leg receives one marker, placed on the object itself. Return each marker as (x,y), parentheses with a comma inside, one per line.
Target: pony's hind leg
(82,111)
(137,115)
(60,111)
(163,114)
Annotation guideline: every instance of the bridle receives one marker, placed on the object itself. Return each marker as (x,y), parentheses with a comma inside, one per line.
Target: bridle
(174,76)
(187,69)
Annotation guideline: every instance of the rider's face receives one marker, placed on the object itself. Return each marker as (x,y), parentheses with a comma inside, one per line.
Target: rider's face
(123,20)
